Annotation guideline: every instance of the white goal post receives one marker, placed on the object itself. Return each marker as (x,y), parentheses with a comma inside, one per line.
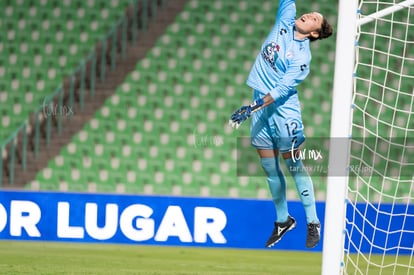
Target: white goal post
(350,20)
(333,240)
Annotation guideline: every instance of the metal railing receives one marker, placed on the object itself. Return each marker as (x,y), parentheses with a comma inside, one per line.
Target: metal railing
(41,124)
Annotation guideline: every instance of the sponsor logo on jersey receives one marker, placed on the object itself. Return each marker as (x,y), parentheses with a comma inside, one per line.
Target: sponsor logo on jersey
(270,54)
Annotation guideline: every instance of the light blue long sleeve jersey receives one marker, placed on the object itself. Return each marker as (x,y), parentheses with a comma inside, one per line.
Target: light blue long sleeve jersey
(283,61)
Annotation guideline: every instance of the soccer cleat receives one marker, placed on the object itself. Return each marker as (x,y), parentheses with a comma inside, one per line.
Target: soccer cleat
(280,230)
(313,235)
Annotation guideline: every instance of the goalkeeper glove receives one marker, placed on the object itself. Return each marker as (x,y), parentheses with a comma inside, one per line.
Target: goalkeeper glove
(244,113)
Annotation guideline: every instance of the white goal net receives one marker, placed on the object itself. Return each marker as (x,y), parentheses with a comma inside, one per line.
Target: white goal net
(379,234)
(369,220)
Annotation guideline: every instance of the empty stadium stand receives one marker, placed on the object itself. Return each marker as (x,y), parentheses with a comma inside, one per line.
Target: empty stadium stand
(162,126)
(44,41)
(164,131)
(25,151)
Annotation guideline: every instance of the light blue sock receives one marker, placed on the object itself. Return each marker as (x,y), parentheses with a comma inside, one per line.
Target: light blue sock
(304,186)
(277,185)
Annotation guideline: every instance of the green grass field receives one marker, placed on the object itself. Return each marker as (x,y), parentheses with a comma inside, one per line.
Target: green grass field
(17,257)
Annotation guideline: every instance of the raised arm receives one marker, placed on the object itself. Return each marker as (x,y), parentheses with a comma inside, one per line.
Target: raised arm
(286,10)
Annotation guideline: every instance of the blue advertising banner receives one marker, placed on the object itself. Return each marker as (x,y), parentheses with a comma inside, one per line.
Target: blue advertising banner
(161,220)
(165,220)
(381,228)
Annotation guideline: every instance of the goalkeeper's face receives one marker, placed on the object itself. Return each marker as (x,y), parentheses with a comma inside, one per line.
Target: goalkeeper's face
(309,24)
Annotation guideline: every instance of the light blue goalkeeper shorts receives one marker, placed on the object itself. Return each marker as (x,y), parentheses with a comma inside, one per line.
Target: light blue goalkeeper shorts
(277,126)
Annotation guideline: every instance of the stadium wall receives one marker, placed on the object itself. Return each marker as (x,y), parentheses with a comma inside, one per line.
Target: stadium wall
(156,220)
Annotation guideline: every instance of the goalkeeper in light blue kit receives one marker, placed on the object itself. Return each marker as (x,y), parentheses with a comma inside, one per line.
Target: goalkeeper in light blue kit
(276,123)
